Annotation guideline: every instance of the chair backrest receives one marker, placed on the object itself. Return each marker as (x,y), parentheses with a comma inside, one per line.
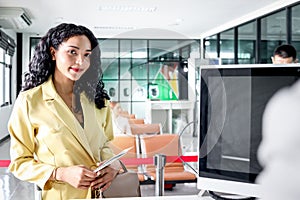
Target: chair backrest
(121,142)
(124,113)
(131,116)
(167,144)
(138,129)
(136,121)
(127,115)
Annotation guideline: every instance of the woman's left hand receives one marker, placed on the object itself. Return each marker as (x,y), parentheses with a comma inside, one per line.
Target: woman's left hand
(106,176)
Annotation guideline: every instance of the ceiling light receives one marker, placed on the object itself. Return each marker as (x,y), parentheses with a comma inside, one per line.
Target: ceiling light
(127,8)
(207,43)
(185,69)
(115,27)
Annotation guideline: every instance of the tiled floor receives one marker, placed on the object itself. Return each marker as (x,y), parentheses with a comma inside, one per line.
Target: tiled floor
(13,189)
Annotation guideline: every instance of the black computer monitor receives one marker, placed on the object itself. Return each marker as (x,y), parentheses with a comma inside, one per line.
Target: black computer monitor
(232,103)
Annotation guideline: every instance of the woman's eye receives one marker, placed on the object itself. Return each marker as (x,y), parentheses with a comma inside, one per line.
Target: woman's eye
(72,52)
(87,55)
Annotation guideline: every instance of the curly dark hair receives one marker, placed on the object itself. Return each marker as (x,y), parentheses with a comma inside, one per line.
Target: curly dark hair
(42,66)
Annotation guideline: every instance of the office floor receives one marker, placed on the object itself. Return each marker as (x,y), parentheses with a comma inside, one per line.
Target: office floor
(13,189)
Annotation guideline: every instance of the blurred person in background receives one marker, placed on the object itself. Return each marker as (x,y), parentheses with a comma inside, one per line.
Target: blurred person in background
(284,54)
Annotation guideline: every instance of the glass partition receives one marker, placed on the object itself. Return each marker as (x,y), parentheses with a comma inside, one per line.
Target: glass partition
(164,50)
(246,43)
(130,66)
(2,83)
(227,47)
(210,46)
(273,34)
(7,50)
(258,37)
(296,28)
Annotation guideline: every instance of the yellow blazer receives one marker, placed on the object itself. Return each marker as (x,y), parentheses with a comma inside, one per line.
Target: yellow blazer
(45,134)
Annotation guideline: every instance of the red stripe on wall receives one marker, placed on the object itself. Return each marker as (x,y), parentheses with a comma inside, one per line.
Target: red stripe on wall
(4,163)
(136,161)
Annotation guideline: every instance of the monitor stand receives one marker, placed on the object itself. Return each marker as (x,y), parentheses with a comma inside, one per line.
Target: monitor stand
(223,196)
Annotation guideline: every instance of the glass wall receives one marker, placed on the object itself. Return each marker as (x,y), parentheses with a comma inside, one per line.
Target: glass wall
(273,34)
(246,43)
(136,70)
(227,47)
(7,49)
(5,78)
(295,39)
(256,40)
(211,51)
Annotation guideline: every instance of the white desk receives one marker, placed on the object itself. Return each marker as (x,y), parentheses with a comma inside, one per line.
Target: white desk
(179,197)
(185,197)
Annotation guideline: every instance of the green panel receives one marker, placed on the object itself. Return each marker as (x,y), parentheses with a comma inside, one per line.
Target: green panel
(161,89)
(154,68)
(139,68)
(110,68)
(125,72)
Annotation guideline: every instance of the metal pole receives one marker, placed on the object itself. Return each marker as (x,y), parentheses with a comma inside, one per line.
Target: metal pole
(37,193)
(160,162)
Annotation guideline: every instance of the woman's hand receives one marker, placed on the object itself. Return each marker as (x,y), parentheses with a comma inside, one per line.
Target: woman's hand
(106,176)
(78,176)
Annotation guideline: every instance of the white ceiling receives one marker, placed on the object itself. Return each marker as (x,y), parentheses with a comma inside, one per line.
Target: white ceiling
(170,19)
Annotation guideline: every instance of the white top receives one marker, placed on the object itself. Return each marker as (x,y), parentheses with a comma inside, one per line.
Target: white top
(121,125)
(279,152)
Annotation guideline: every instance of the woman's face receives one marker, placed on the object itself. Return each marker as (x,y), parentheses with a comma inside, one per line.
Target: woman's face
(72,57)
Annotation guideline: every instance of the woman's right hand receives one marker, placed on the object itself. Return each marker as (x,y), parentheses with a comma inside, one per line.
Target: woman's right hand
(78,176)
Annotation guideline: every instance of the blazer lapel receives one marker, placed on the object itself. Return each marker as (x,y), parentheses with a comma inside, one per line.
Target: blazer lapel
(63,113)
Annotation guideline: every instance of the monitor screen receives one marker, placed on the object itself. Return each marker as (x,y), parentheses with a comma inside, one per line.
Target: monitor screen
(232,103)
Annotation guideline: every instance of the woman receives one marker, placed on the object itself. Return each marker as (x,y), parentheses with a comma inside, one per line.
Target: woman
(61,121)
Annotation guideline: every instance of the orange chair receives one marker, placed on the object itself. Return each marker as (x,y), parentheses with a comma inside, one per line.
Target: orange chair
(121,142)
(167,144)
(136,121)
(124,113)
(127,115)
(131,116)
(138,129)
